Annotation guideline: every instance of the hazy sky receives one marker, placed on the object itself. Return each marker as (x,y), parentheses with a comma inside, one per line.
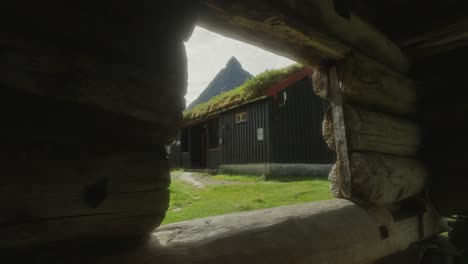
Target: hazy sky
(208,53)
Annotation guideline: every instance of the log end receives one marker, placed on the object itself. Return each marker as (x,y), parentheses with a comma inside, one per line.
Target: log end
(320,84)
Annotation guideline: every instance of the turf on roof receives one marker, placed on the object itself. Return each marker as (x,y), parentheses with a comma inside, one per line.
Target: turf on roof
(252,89)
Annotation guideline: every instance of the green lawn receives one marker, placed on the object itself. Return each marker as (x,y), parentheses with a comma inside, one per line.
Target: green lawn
(246,193)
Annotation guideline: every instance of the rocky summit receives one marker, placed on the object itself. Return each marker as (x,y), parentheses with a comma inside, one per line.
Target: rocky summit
(232,76)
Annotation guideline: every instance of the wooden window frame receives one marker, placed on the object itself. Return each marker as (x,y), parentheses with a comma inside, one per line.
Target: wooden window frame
(241,117)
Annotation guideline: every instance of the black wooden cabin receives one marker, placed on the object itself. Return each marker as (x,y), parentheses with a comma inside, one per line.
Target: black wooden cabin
(283,126)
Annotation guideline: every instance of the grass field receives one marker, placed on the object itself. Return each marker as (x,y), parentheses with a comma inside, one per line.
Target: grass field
(240,193)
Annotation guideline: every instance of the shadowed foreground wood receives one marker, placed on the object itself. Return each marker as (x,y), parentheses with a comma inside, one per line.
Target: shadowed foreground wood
(382,179)
(333,231)
(328,35)
(373,131)
(78,192)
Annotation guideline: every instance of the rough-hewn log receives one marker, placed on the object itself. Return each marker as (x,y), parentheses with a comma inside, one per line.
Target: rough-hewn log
(373,131)
(383,179)
(334,231)
(320,84)
(30,117)
(450,36)
(66,75)
(277,26)
(368,83)
(57,191)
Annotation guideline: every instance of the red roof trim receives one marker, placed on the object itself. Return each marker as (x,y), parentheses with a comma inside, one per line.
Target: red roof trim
(273,90)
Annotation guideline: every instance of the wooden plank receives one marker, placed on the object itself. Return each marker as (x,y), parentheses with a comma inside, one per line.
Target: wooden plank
(376,132)
(339,129)
(381,180)
(279,27)
(333,231)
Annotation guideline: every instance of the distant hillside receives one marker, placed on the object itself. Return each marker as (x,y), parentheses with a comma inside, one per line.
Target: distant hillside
(232,76)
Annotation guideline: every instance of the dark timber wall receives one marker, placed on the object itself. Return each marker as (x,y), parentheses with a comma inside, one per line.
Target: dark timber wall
(291,124)
(213,158)
(296,126)
(239,141)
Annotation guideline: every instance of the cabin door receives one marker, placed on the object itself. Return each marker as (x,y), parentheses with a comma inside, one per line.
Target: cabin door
(198,147)
(203,147)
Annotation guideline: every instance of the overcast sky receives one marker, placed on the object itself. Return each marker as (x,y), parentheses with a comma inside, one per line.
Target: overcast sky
(208,53)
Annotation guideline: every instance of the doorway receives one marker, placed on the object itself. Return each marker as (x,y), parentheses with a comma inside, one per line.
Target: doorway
(198,146)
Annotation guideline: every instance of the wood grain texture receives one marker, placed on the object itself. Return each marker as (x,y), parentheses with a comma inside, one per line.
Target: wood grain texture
(333,231)
(278,26)
(48,188)
(381,180)
(321,85)
(339,130)
(147,93)
(76,232)
(446,36)
(367,130)
(334,179)
(369,83)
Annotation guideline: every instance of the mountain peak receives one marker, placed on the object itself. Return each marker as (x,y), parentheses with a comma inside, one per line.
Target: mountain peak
(227,79)
(233,62)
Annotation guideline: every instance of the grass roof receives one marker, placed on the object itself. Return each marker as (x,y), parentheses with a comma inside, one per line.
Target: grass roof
(252,89)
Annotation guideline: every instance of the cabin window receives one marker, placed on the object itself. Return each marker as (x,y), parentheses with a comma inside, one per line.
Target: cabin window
(282,99)
(241,117)
(184,140)
(213,133)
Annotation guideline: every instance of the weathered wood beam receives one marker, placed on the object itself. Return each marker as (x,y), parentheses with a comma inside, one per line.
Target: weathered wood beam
(52,192)
(382,179)
(333,231)
(451,35)
(339,135)
(312,32)
(66,75)
(368,83)
(376,132)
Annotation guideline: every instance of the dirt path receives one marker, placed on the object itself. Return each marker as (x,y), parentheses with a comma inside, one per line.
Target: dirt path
(200,180)
(190,178)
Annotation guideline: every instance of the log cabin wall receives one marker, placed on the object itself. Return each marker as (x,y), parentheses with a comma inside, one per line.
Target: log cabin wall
(80,77)
(382,135)
(90,96)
